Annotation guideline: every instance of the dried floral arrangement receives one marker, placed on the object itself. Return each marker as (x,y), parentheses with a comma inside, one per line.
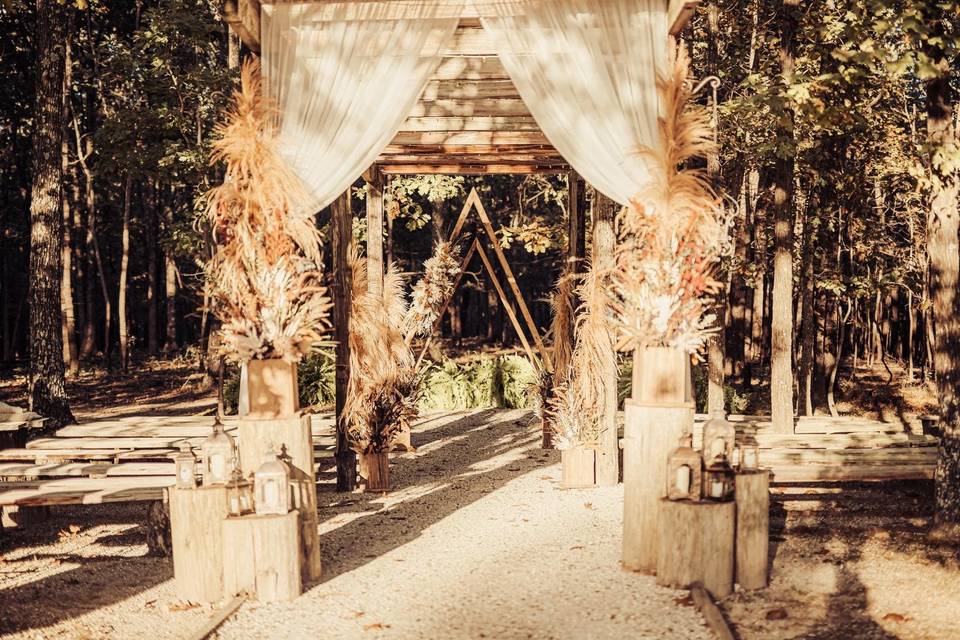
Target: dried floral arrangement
(672,233)
(265,277)
(381,395)
(432,291)
(575,409)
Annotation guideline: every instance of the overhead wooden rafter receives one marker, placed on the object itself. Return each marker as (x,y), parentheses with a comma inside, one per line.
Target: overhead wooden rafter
(470,118)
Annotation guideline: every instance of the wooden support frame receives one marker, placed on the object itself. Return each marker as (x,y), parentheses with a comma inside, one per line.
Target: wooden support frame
(603,241)
(374,201)
(341,222)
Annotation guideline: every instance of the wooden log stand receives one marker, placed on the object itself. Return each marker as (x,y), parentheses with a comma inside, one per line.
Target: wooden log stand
(696,545)
(659,411)
(196,517)
(578,465)
(261,558)
(753,528)
(290,436)
(375,470)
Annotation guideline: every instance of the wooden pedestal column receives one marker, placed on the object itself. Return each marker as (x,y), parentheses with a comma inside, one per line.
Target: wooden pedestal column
(261,557)
(753,528)
(195,527)
(696,545)
(579,468)
(659,411)
(650,434)
(291,436)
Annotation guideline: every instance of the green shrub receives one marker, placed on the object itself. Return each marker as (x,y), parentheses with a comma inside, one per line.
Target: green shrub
(487,382)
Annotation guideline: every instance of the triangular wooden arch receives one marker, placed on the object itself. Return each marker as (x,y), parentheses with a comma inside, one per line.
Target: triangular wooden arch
(473,203)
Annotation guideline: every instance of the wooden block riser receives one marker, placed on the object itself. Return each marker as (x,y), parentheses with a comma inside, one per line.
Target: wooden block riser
(196,517)
(753,529)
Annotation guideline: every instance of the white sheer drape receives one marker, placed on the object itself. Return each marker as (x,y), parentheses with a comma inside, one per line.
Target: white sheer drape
(587,69)
(345,75)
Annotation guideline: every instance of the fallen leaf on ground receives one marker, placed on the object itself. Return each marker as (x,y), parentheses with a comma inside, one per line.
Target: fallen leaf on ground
(182,606)
(375,626)
(358,614)
(683,601)
(777,614)
(895,617)
(589,505)
(576,546)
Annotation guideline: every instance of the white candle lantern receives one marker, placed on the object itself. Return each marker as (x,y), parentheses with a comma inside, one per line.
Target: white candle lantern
(271,485)
(186,467)
(684,471)
(719,436)
(718,483)
(218,455)
(749,457)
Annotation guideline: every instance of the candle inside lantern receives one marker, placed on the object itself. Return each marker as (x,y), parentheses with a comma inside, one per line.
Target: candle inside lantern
(749,459)
(185,474)
(682,481)
(270,493)
(716,489)
(717,447)
(218,466)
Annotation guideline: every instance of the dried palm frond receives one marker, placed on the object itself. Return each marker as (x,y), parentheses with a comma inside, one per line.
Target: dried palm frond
(672,233)
(561,303)
(577,407)
(432,291)
(265,277)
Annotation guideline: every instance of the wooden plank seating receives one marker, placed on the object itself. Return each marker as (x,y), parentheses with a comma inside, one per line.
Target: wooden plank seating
(113,460)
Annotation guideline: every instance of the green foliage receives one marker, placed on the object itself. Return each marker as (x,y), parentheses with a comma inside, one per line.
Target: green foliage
(487,382)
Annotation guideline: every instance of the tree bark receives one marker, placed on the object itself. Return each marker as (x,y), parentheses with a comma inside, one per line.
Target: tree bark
(341,221)
(170,285)
(150,226)
(781,336)
(47,389)
(808,327)
(69,325)
(943,247)
(124,268)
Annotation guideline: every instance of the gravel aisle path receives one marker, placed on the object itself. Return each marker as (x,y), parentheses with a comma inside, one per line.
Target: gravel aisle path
(477,541)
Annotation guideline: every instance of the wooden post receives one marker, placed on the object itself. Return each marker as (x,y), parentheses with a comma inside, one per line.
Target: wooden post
(608,454)
(195,527)
(290,436)
(753,528)
(375,266)
(660,410)
(341,222)
(696,545)
(260,557)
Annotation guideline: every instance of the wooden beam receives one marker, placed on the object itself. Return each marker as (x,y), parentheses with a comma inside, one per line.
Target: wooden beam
(603,240)
(374,201)
(470,149)
(477,68)
(465,169)
(475,159)
(243,17)
(473,123)
(506,304)
(468,90)
(470,107)
(679,13)
(341,222)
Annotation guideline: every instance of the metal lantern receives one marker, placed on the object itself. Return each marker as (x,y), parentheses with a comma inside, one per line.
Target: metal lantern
(239,494)
(719,436)
(271,484)
(749,457)
(684,471)
(186,467)
(718,483)
(218,456)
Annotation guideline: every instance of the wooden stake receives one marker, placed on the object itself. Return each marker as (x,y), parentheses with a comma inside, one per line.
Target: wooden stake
(341,221)
(260,557)
(753,528)
(195,527)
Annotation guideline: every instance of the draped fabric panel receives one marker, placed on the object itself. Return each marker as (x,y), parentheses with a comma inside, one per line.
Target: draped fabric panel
(345,75)
(587,69)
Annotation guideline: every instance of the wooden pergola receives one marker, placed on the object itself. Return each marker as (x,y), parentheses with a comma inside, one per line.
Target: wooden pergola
(470,118)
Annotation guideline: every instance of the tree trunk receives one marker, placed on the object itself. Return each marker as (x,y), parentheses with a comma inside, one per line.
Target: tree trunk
(808,328)
(150,225)
(170,284)
(48,395)
(69,325)
(943,247)
(124,267)
(781,330)
(341,221)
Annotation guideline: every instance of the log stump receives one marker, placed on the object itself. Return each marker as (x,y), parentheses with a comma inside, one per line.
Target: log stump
(753,528)
(197,533)
(375,470)
(696,545)
(651,432)
(289,436)
(578,466)
(261,557)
